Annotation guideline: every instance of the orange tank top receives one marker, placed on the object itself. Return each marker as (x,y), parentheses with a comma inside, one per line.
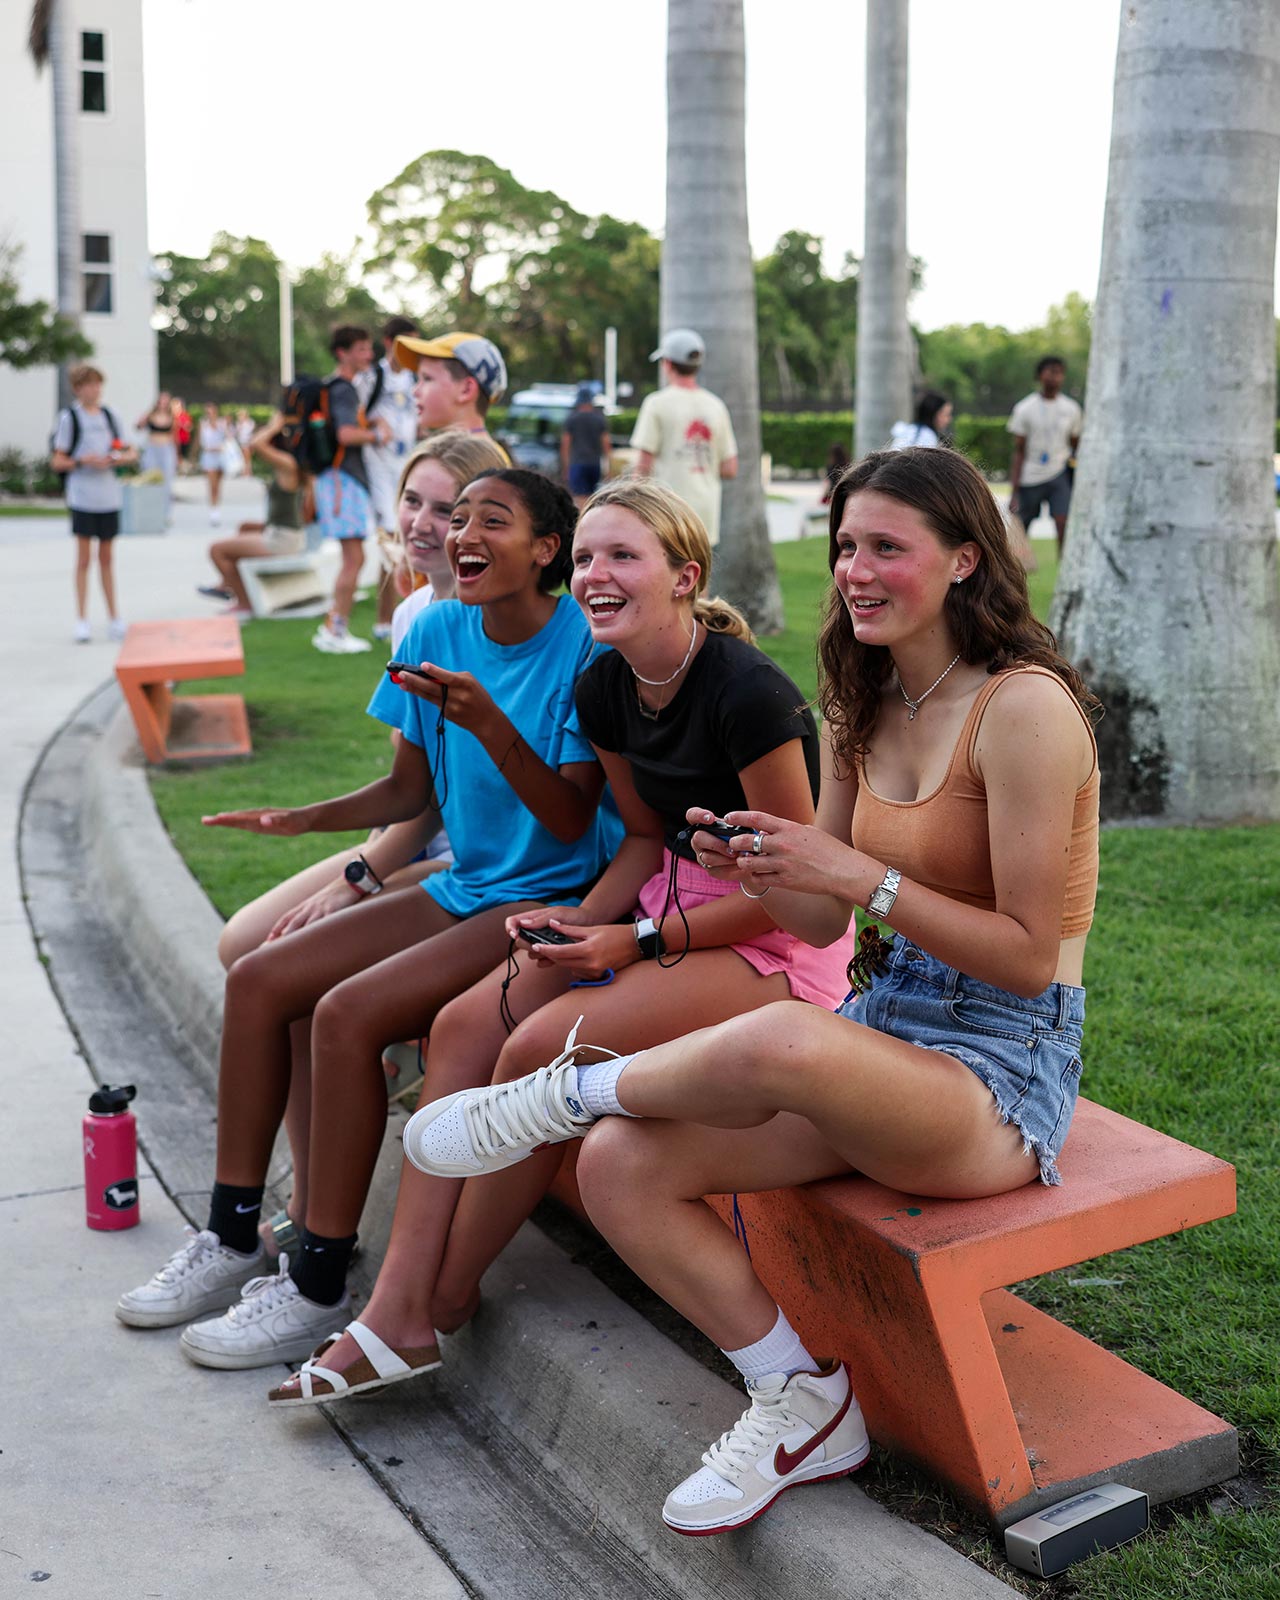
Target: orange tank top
(943,842)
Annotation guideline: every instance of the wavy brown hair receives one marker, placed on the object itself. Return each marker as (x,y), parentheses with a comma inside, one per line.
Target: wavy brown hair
(989,614)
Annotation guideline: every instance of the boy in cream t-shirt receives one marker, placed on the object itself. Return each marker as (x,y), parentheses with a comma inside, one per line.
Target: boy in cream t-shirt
(683,433)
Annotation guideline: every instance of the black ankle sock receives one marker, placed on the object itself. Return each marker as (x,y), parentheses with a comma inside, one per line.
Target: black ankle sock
(320,1271)
(234,1214)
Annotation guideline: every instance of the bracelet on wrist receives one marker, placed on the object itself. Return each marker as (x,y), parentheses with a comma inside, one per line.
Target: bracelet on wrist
(880,903)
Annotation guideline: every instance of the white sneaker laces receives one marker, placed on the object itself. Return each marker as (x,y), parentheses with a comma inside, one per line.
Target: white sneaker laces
(734,1452)
(532,1109)
(261,1295)
(192,1255)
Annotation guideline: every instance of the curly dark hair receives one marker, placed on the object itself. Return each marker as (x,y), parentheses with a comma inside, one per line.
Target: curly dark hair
(551,510)
(989,614)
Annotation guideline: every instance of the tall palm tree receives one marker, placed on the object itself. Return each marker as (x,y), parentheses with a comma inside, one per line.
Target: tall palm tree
(707,278)
(50,39)
(1167,599)
(884,336)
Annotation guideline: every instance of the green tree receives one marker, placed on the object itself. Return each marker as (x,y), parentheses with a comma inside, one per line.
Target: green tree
(555,302)
(32,333)
(452,225)
(219,318)
(806,323)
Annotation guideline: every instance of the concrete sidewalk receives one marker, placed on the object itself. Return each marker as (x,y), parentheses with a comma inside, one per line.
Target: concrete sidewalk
(125,1471)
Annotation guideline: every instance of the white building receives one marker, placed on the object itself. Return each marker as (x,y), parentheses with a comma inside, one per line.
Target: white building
(116,285)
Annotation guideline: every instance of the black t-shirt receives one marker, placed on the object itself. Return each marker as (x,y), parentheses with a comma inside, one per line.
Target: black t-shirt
(734,706)
(344,408)
(586,430)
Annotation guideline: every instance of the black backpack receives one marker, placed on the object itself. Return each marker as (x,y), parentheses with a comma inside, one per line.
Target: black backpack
(309,434)
(74,414)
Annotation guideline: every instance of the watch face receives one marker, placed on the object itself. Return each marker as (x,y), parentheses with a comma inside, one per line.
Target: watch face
(354,871)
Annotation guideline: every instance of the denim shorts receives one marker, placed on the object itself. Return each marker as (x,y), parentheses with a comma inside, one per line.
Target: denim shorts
(1027,1052)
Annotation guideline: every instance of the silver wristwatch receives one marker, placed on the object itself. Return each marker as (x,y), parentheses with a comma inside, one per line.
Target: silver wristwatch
(361,876)
(885,893)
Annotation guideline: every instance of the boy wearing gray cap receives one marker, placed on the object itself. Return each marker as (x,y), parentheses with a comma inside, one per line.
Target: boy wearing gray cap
(683,433)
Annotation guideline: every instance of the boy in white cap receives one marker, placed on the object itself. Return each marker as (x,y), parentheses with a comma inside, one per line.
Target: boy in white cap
(460,375)
(683,433)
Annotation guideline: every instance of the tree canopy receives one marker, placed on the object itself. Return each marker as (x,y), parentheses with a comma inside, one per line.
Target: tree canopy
(32,333)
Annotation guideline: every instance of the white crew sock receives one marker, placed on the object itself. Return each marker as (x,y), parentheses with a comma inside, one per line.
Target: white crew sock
(779,1351)
(598,1086)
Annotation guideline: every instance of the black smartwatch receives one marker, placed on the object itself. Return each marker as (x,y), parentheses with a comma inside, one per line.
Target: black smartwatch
(649,939)
(360,875)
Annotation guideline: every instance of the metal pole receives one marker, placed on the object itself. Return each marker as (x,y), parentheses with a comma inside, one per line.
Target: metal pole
(286,326)
(610,367)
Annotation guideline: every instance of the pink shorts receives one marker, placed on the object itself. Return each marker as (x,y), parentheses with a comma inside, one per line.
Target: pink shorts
(815,975)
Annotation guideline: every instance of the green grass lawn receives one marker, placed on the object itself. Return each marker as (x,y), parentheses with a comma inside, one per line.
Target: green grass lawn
(58,510)
(1183,1034)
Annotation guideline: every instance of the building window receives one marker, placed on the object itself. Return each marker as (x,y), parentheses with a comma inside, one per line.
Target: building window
(96,274)
(93,72)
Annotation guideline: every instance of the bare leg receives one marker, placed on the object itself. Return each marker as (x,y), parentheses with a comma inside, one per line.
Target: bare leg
(84,554)
(644,1005)
(1060,527)
(388,596)
(107,575)
(643,1182)
(226,554)
(344,588)
(279,984)
(214,480)
(911,1118)
(788,1094)
(352,1024)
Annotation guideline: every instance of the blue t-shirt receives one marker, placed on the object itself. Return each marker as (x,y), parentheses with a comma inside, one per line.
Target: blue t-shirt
(501,851)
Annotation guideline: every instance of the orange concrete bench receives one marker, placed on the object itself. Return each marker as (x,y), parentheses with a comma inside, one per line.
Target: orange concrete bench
(156,655)
(1009,1407)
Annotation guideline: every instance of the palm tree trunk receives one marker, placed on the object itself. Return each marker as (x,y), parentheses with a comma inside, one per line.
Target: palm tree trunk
(707,278)
(66,170)
(884,336)
(1167,599)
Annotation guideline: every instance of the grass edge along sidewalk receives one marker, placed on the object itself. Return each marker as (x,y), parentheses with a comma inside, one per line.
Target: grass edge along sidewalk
(1183,1034)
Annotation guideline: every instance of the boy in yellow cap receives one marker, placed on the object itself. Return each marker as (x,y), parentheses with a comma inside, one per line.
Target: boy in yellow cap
(460,375)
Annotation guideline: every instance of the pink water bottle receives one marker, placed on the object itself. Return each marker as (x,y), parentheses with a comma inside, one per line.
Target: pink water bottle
(111,1159)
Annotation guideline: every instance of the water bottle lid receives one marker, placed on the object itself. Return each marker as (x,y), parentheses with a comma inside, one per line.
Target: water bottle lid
(109,1102)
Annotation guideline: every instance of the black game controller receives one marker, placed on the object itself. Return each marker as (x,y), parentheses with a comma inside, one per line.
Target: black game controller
(546,936)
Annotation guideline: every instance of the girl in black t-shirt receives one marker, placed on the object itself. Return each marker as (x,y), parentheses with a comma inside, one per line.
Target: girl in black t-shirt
(685,710)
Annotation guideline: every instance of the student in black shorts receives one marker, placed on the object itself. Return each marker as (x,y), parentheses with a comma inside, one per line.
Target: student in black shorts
(87,448)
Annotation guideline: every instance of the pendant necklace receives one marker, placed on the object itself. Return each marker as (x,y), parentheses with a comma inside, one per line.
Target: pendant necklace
(914,705)
(661,683)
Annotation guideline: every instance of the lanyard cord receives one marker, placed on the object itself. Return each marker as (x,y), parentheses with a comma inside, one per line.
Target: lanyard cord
(439,777)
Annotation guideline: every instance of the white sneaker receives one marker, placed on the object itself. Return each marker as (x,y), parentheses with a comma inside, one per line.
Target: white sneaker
(382,630)
(203,1276)
(215,518)
(335,643)
(83,633)
(117,628)
(800,1429)
(485,1130)
(271,1322)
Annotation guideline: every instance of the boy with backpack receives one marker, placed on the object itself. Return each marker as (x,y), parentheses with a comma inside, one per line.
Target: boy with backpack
(343,503)
(87,449)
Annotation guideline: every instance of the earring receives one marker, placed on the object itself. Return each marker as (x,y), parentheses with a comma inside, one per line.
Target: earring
(957,580)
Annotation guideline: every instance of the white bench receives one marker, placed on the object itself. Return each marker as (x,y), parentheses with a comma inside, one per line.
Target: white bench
(276,582)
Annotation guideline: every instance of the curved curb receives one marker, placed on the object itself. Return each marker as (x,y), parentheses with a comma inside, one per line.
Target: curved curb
(536,1460)
(137,870)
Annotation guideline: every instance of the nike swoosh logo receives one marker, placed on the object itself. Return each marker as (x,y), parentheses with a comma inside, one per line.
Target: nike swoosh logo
(243,1211)
(785,1462)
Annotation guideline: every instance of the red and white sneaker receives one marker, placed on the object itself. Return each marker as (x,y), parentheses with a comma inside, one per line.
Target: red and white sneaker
(801,1429)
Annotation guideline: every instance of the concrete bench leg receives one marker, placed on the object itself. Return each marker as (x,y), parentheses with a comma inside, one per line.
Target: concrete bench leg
(1003,1403)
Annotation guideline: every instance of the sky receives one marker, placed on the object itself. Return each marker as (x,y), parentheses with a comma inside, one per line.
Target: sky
(1009,124)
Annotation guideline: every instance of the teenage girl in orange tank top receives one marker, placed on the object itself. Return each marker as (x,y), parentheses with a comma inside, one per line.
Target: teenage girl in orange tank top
(959,807)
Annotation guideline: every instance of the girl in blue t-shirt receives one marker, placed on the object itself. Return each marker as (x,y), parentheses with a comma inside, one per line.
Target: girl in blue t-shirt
(490,726)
